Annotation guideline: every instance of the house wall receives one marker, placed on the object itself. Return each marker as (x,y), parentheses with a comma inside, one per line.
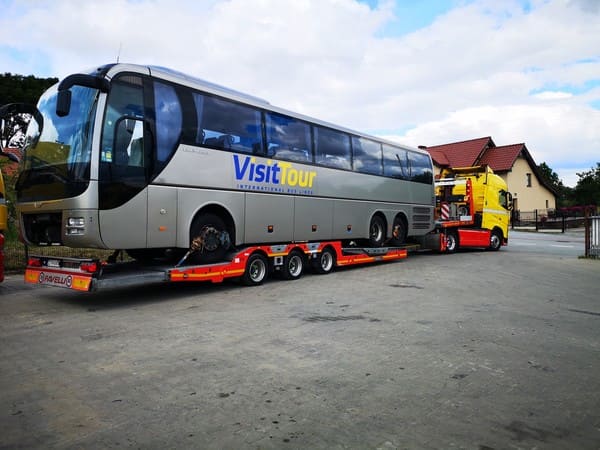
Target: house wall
(529,198)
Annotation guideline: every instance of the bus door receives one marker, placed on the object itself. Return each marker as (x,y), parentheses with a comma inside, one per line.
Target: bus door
(124,163)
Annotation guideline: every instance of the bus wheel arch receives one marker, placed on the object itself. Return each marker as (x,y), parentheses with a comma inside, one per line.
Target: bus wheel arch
(377,230)
(213,228)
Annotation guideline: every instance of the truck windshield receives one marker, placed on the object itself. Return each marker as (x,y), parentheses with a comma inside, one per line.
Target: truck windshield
(57,158)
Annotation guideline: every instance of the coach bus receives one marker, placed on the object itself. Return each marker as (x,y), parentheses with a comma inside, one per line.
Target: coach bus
(148,160)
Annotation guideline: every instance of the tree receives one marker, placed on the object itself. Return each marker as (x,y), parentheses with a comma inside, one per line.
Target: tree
(564,193)
(587,191)
(19,89)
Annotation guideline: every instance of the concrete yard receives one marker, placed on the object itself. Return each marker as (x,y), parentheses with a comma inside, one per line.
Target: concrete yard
(477,350)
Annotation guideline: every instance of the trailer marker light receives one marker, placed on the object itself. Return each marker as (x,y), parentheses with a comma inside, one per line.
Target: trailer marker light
(34,262)
(90,267)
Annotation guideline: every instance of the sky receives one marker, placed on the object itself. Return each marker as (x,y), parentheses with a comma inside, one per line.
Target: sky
(424,72)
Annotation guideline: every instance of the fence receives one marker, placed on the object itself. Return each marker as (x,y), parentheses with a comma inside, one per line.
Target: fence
(549,219)
(592,237)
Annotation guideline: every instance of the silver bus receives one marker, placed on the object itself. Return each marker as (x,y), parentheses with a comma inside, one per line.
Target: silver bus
(149,160)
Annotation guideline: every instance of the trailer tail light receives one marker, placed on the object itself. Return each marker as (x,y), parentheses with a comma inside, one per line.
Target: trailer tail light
(34,262)
(90,267)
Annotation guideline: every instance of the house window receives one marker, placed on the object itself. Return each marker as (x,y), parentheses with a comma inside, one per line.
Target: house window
(528,180)
(547,204)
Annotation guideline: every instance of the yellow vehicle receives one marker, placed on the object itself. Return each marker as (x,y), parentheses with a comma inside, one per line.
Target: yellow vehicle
(473,209)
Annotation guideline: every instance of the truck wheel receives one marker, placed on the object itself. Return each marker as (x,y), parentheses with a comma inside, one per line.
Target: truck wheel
(376,232)
(293,265)
(210,229)
(495,240)
(325,261)
(256,270)
(451,242)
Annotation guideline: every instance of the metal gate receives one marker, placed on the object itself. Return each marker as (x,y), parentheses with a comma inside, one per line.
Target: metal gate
(592,237)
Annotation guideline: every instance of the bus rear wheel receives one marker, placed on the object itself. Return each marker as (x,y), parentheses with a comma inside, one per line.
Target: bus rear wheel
(293,265)
(376,232)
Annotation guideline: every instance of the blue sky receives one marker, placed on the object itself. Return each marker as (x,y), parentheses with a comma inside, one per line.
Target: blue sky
(420,72)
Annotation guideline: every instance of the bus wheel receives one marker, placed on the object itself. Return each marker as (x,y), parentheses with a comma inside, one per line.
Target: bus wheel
(451,242)
(256,270)
(399,232)
(293,265)
(324,262)
(212,234)
(376,232)
(495,240)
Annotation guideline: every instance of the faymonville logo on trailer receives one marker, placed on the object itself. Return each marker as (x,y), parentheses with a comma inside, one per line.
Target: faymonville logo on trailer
(274,176)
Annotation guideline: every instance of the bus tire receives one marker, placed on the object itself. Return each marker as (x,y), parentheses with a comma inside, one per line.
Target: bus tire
(208,226)
(324,262)
(257,269)
(376,231)
(293,265)
(495,240)
(399,231)
(451,241)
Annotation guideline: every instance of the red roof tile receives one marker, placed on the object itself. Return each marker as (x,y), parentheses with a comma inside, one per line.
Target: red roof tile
(502,159)
(460,154)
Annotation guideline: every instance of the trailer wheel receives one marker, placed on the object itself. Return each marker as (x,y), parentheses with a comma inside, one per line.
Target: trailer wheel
(376,231)
(325,261)
(451,242)
(256,270)
(293,265)
(495,240)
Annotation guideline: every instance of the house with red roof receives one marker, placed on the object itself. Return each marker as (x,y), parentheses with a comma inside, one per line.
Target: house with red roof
(513,163)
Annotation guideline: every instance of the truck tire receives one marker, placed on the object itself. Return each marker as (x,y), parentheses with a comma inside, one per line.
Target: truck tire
(495,240)
(451,242)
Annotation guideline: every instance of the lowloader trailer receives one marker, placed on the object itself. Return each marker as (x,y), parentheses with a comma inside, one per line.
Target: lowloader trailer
(251,265)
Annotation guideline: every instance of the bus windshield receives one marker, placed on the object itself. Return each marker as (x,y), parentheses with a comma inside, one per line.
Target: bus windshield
(57,158)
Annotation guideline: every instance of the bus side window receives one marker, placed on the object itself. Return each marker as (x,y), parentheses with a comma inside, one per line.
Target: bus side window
(288,138)
(395,162)
(332,148)
(169,119)
(366,156)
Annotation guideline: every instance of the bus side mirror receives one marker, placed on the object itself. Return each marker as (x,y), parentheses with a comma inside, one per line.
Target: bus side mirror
(63,103)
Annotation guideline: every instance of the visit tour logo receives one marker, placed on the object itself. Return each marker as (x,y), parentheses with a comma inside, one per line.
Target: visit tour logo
(274,176)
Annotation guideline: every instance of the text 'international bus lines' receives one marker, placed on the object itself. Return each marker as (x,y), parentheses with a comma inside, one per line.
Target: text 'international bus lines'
(194,181)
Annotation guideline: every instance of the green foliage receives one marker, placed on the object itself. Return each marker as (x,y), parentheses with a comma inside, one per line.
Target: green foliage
(23,89)
(587,191)
(564,194)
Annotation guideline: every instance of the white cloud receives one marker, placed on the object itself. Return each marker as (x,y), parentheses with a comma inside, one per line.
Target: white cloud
(468,74)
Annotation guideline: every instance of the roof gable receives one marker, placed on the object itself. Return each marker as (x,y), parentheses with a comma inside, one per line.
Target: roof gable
(502,159)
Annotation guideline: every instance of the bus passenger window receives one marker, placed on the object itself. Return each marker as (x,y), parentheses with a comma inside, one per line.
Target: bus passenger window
(168,121)
(332,148)
(395,162)
(420,168)
(226,125)
(366,156)
(288,138)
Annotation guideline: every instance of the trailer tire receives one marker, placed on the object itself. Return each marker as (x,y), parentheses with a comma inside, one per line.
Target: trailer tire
(495,240)
(451,242)
(324,262)
(293,265)
(257,269)
(376,231)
